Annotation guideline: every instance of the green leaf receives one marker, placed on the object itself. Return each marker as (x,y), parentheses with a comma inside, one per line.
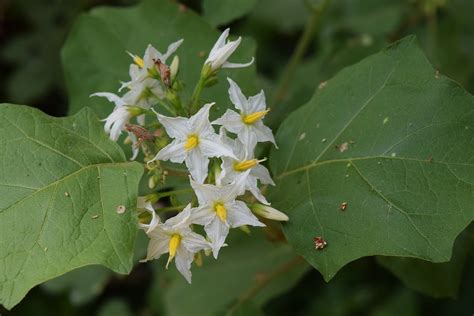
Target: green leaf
(406,175)
(61,182)
(435,279)
(219,12)
(115,307)
(96,50)
(250,263)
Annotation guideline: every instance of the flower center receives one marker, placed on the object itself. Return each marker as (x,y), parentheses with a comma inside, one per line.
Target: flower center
(245,165)
(252,118)
(220,211)
(193,141)
(173,245)
(137,60)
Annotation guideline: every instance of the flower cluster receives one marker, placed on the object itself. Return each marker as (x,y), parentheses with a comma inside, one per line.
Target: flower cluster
(224,175)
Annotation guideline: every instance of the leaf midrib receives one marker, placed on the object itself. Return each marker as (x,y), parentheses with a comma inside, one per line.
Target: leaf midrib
(318,164)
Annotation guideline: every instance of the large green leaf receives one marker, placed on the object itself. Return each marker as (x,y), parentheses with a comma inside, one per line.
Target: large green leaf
(61,182)
(435,279)
(95,59)
(407,175)
(219,12)
(250,265)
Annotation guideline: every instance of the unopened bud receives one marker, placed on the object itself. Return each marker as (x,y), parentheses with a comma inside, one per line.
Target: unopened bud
(153,181)
(174,67)
(269,212)
(245,229)
(135,110)
(127,140)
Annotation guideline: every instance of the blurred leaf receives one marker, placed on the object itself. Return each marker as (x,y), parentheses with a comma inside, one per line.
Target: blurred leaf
(115,307)
(249,263)
(82,284)
(61,182)
(316,71)
(366,139)
(283,15)
(96,50)
(435,279)
(219,12)
(377,17)
(35,53)
(402,302)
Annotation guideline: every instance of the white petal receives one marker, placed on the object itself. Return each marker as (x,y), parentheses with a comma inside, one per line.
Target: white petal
(195,242)
(237,65)
(158,244)
(232,121)
(174,152)
(119,102)
(176,127)
(214,148)
(183,261)
(150,54)
(219,44)
(257,103)
(237,97)
(217,232)
(221,55)
(202,215)
(199,122)
(171,50)
(251,185)
(262,174)
(182,220)
(207,194)
(197,164)
(264,133)
(239,214)
(155,219)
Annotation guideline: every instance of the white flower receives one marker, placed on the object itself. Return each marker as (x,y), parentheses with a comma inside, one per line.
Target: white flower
(176,238)
(234,169)
(121,115)
(219,210)
(222,51)
(143,89)
(269,212)
(194,142)
(152,54)
(143,204)
(249,121)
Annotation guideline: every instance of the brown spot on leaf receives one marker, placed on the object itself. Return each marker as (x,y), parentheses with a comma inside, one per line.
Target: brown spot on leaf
(343,206)
(319,243)
(121,209)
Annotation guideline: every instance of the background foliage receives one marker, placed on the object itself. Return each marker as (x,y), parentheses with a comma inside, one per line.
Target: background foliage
(261,275)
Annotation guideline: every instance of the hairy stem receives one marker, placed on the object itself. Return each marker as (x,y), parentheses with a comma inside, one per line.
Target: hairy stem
(301,47)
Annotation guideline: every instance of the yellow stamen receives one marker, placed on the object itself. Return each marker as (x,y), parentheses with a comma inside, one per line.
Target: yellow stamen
(247,164)
(221,211)
(252,118)
(193,141)
(137,60)
(173,245)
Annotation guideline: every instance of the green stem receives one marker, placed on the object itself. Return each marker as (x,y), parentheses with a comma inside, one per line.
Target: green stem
(171,208)
(167,107)
(301,47)
(176,192)
(196,95)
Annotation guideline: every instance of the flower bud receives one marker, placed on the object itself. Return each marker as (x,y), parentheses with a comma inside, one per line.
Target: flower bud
(174,67)
(135,110)
(269,212)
